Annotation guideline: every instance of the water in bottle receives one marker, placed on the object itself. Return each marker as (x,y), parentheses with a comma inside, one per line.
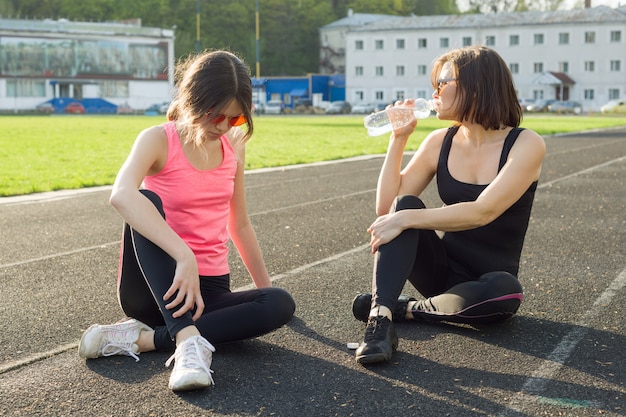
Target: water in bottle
(385,121)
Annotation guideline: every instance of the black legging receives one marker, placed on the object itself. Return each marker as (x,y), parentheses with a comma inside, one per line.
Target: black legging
(419,256)
(146,273)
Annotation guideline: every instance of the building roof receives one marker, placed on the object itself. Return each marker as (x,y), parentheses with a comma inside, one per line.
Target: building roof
(554,78)
(599,14)
(359,19)
(83,28)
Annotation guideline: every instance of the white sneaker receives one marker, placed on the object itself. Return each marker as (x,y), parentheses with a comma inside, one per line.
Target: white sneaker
(192,368)
(113,339)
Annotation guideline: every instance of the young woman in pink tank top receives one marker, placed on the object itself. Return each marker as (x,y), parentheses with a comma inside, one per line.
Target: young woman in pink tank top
(181,195)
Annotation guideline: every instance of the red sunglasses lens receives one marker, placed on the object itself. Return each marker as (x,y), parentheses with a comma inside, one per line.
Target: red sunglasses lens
(218,118)
(237,120)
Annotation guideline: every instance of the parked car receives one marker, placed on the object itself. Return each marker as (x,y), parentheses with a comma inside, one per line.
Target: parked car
(525,102)
(45,107)
(539,105)
(382,106)
(302,102)
(566,107)
(339,107)
(614,106)
(363,108)
(159,107)
(274,107)
(74,108)
(124,109)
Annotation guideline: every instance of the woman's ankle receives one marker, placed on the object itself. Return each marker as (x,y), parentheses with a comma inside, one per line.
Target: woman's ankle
(186,333)
(145,342)
(409,309)
(381,311)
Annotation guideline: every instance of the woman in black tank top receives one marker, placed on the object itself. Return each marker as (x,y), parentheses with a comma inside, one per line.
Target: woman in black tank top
(463,257)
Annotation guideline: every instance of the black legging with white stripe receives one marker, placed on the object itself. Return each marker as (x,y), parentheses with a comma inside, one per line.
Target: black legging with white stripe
(419,256)
(146,273)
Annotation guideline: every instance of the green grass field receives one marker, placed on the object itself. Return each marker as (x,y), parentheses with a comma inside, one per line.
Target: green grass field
(46,153)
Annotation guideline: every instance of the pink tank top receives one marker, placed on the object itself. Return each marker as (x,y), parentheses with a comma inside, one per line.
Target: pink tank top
(197,203)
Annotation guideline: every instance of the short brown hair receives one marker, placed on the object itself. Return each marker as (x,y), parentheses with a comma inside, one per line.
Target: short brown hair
(486,93)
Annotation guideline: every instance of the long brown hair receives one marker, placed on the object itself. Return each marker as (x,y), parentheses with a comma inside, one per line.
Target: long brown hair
(486,93)
(209,81)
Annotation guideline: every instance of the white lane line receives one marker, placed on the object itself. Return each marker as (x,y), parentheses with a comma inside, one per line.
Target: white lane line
(10,366)
(275,210)
(311,202)
(60,254)
(537,382)
(584,171)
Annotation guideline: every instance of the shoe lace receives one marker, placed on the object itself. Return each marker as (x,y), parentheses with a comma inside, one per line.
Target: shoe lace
(116,344)
(192,355)
(116,348)
(375,326)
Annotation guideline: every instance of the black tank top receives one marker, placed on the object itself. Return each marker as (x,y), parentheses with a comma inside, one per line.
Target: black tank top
(496,246)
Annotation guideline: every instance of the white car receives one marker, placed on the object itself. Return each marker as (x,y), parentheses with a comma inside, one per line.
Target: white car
(363,108)
(614,106)
(274,107)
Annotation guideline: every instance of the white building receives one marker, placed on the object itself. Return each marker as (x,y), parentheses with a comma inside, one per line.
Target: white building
(123,63)
(567,55)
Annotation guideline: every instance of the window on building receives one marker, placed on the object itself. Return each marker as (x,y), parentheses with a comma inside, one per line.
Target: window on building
(538,67)
(467,41)
(422,43)
(590,66)
(444,42)
(380,96)
(400,70)
(422,94)
(25,88)
(538,38)
(616,65)
(400,94)
(514,67)
(614,94)
(379,71)
(400,43)
(590,37)
(564,38)
(616,36)
(84,58)
(358,45)
(490,40)
(358,71)
(358,95)
(114,88)
(564,66)
(538,94)
(513,40)
(589,94)
(421,69)
(379,44)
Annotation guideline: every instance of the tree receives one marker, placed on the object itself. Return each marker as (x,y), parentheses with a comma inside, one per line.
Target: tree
(500,6)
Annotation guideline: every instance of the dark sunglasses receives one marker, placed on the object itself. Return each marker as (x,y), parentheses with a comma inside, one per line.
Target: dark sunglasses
(442,83)
(219,118)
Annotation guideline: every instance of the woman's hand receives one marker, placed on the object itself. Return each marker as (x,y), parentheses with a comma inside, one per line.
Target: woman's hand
(403,109)
(186,286)
(385,229)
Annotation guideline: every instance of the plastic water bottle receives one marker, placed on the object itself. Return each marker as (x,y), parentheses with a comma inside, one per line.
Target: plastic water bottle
(387,120)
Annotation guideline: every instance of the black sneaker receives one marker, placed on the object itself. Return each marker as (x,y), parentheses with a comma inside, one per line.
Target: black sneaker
(362,304)
(379,343)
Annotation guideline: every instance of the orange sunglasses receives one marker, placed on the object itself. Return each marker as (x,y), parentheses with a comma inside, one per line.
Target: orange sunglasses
(219,118)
